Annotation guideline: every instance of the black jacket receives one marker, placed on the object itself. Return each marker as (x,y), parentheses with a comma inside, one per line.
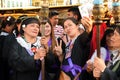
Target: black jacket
(24,67)
(108,74)
(80,52)
(52,64)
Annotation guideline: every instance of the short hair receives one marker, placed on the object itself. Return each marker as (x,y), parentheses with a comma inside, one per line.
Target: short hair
(53,13)
(27,21)
(75,11)
(110,30)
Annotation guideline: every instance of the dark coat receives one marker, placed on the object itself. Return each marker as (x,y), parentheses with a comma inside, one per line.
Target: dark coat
(2,70)
(5,50)
(53,64)
(80,52)
(108,74)
(24,67)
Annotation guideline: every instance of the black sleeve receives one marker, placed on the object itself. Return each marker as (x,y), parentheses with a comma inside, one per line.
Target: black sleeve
(52,62)
(20,60)
(110,75)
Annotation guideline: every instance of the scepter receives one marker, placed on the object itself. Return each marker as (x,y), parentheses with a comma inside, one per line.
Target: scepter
(98,15)
(43,18)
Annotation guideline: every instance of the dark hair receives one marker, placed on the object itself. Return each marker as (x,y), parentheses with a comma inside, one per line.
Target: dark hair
(27,21)
(53,13)
(75,11)
(72,19)
(108,31)
(20,19)
(9,20)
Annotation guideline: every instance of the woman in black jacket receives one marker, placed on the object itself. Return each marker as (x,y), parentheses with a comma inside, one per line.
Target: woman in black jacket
(26,51)
(77,50)
(6,29)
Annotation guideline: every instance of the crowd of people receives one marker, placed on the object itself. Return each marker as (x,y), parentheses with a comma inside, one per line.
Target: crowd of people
(69,50)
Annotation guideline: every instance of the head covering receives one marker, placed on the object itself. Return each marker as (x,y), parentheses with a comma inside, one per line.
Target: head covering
(27,21)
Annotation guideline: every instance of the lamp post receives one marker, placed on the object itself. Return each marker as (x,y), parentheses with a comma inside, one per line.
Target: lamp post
(116,11)
(43,15)
(98,15)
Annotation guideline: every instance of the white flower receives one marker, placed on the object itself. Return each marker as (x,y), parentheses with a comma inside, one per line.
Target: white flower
(23,25)
(8,19)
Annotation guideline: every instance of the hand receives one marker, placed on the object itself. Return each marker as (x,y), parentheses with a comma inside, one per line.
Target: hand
(89,66)
(87,23)
(40,53)
(58,49)
(96,73)
(44,42)
(99,64)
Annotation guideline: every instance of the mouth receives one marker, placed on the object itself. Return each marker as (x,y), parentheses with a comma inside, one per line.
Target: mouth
(35,32)
(47,32)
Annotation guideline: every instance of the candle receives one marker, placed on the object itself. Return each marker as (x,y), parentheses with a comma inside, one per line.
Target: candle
(98,2)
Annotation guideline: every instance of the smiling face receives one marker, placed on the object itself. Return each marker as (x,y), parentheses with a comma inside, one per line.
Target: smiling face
(47,29)
(71,28)
(31,30)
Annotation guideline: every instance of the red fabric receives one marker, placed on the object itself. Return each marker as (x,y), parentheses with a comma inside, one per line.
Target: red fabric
(93,44)
(33,49)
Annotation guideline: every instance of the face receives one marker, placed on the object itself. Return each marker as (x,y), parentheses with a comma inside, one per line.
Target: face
(47,29)
(31,30)
(70,28)
(54,20)
(10,28)
(70,14)
(113,40)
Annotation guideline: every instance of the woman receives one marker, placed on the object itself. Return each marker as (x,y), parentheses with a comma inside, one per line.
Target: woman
(51,60)
(76,50)
(17,25)
(111,70)
(6,28)
(25,53)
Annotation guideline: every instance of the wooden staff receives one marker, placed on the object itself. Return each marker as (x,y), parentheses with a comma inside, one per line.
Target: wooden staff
(43,14)
(43,60)
(98,14)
